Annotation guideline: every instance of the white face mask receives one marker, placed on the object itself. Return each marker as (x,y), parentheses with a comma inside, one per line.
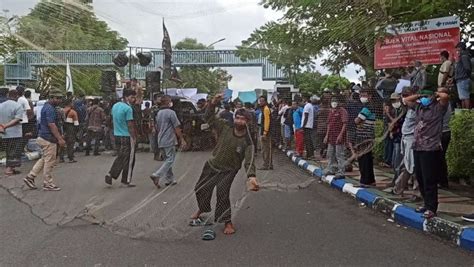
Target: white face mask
(334,104)
(364,100)
(170,104)
(396,105)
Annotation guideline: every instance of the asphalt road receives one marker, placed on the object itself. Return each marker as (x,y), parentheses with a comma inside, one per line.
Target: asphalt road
(281,225)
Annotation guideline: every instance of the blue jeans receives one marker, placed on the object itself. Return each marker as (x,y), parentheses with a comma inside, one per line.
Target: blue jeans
(464,89)
(166,170)
(388,151)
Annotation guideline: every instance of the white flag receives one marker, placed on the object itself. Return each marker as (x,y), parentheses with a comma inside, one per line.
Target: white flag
(69,87)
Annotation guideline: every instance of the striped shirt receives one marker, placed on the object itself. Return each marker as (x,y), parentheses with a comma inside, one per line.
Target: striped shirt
(366,131)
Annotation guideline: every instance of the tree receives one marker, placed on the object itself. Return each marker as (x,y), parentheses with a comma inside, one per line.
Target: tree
(67,25)
(206,80)
(9,44)
(310,82)
(335,82)
(344,29)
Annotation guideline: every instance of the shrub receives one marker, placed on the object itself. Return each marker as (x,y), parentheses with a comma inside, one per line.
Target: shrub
(460,154)
(379,145)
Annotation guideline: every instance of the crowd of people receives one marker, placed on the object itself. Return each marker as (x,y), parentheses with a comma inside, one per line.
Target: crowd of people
(338,126)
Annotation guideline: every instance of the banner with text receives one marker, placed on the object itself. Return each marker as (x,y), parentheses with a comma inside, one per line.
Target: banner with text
(419,40)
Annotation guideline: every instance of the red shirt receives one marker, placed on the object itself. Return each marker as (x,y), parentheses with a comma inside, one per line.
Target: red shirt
(336,119)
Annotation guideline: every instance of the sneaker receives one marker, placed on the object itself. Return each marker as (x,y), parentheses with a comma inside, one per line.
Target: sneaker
(468,217)
(51,187)
(171,183)
(72,161)
(30,182)
(108,179)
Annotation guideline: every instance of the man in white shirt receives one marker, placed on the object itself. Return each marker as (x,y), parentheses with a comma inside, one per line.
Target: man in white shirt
(446,69)
(283,108)
(27,130)
(24,104)
(307,125)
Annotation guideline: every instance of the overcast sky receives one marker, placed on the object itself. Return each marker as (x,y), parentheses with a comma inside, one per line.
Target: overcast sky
(210,20)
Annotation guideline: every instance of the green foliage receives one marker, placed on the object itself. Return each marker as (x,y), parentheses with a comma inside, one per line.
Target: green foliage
(67,25)
(335,82)
(206,80)
(8,43)
(461,148)
(310,82)
(378,146)
(344,30)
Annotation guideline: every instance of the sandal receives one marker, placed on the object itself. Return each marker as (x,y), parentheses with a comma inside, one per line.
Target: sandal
(421,209)
(199,222)
(14,172)
(209,235)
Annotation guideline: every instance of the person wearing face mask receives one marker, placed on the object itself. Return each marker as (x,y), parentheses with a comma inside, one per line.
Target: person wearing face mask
(336,138)
(428,151)
(169,130)
(407,168)
(365,122)
(395,134)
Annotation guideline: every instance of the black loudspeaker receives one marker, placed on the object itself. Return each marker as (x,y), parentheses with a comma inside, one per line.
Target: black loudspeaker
(121,59)
(108,81)
(152,80)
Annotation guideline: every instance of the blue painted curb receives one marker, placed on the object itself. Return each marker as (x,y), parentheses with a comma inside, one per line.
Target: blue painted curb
(402,214)
(409,217)
(466,239)
(339,183)
(318,172)
(366,197)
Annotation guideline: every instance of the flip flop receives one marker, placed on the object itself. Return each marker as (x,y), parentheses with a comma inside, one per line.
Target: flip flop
(199,222)
(209,235)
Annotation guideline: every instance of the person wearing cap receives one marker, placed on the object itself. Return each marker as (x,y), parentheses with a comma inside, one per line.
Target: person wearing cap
(462,74)
(428,152)
(49,137)
(11,114)
(125,140)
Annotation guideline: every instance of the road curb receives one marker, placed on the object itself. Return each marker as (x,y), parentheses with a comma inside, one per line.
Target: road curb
(453,232)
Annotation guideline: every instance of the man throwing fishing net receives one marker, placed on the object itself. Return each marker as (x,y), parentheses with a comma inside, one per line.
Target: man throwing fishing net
(234,146)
